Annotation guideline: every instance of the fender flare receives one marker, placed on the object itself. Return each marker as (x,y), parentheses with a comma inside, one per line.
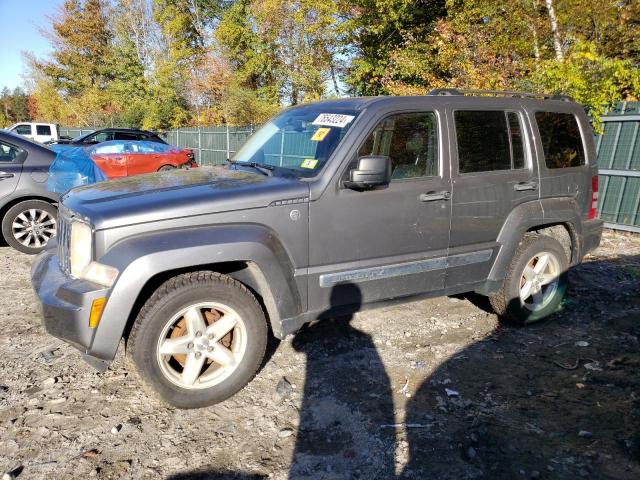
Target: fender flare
(140,258)
(538,213)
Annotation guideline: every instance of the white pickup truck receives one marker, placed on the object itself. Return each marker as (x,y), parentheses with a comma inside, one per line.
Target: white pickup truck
(40,132)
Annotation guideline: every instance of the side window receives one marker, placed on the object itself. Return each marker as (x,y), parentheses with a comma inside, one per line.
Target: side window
(43,130)
(8,153)
(127,136)
(561,140)
(23,129)
(410,140)
(488,141)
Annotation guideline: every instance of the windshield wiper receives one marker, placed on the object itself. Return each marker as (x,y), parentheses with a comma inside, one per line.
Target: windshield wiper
(261,167)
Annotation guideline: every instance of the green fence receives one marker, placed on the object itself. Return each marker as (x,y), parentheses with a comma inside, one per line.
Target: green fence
(619,168)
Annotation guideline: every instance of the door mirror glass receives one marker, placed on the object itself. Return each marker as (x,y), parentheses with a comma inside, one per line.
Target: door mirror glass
(372,171)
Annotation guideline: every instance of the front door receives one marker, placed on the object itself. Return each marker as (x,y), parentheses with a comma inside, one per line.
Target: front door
(391,241)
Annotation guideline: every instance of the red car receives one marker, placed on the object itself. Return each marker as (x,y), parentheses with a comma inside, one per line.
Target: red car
(123,159)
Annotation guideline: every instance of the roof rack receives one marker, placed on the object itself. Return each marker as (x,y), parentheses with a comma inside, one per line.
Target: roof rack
(498,93)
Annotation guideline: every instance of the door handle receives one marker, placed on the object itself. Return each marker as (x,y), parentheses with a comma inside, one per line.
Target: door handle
(522,186)
(434,196)
(4,175)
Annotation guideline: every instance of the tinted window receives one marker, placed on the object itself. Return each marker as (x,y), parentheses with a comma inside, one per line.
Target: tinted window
(43,129)
(128,136)
(8,153)
(489,141)
(23,129)
(410,140)
(561,140)
(483,141)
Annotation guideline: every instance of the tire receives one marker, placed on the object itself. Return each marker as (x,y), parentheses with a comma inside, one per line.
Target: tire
(166,168)
(167,323)
(28,225)
(542,291)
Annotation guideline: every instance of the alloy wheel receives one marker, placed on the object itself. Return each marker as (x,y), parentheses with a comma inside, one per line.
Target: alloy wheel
(33,228)
(539,281)
(202,345)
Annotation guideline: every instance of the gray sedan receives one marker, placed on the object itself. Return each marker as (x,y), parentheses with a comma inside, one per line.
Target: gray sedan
(27,210)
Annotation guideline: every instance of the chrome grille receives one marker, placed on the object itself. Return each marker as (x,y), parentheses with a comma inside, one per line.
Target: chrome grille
(64,240)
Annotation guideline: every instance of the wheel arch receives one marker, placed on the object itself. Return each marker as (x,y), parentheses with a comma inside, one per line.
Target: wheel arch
(250,254)
(558,218)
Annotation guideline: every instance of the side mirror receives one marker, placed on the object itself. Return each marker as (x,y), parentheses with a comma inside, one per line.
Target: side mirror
(373,171)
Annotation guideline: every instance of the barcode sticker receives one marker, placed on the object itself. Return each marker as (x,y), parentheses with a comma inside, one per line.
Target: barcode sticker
(333,120)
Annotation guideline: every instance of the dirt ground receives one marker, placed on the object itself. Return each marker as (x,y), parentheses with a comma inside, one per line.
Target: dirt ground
(431,389)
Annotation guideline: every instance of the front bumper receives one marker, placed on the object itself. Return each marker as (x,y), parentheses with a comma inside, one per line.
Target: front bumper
(66,304)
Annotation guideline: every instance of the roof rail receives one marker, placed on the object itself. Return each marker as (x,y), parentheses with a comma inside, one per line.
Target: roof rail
(498,93)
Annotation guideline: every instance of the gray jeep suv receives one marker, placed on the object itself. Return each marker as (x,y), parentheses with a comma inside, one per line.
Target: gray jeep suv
(399,197)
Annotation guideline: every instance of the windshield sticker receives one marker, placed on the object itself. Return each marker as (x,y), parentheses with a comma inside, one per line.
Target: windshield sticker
(333,120)
(320,134)
(309,163)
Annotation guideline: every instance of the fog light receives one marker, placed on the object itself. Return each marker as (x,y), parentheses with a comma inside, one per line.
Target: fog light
(96,311)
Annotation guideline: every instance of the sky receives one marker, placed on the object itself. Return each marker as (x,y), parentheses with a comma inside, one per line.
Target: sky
(20,22)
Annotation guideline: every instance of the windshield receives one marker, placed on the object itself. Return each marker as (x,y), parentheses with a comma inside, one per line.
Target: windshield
(300,139)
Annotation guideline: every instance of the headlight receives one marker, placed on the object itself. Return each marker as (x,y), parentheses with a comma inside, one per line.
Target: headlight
(81,255)
(80,248)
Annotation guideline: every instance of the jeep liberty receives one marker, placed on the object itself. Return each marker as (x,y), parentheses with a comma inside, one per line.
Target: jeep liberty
(401,197)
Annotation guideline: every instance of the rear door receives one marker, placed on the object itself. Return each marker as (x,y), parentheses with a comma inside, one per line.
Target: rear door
(493,174)
(11,160)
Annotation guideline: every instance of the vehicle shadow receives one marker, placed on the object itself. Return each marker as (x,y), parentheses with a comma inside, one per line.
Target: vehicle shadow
(559,399)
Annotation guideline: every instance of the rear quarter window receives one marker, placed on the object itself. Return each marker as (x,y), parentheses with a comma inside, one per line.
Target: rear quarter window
(561,139)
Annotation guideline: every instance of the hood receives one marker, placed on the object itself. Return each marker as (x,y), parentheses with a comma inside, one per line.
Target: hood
(179,193)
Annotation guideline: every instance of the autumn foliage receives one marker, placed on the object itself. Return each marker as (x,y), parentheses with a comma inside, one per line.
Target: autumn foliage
(168,63)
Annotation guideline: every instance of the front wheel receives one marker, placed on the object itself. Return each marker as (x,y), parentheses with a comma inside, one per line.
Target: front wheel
(166,168)
(199,339)
(28,226)
(535,283)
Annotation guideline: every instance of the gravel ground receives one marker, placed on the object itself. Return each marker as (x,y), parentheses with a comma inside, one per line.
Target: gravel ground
(430,389)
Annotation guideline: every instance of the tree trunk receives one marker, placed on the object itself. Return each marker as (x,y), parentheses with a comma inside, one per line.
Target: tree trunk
(557,44)
(534,30)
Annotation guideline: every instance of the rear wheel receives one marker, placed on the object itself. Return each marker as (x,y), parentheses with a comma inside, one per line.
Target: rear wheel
(536,281)
(199,339)
(28,226)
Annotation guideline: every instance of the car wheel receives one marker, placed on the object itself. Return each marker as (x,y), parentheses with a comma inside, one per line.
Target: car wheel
(199,339)
(28,226)
(166,168)
(535,283)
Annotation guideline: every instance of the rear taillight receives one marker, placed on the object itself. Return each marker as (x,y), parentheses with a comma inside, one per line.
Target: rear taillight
(593,211)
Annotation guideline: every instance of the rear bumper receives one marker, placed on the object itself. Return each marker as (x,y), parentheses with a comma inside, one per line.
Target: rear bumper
(66,303)
(591,235)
